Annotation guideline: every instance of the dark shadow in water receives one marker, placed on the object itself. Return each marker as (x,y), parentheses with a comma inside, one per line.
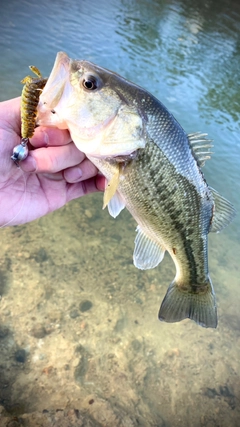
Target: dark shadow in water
(13,362)
(5,272)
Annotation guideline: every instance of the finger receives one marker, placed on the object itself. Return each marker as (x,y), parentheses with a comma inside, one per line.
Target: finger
(52,159)
(47,136)
(10,118)
(100,182)
(82,188)
(43,136)
(80,172)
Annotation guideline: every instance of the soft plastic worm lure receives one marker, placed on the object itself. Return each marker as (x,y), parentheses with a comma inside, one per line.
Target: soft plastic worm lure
(32,89)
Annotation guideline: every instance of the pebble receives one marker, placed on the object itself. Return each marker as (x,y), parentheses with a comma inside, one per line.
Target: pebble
(136,345)
(20,355)
(38,331)
(88,213)
(120,325)
(85,306)
(173,352)
(40,255)
(74,313)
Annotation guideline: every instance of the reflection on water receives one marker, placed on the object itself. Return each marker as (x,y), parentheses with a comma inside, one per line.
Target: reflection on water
(79,324)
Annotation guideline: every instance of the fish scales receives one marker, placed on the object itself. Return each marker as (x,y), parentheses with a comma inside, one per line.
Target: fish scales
(152,167)
(147,185)
(156,192)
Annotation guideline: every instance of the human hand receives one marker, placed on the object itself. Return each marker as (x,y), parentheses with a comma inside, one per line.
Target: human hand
(54,172)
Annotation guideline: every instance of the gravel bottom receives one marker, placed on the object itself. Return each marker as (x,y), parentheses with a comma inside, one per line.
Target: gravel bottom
(80,342)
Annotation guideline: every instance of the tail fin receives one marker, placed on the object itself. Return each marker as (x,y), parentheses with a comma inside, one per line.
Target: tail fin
(180,304)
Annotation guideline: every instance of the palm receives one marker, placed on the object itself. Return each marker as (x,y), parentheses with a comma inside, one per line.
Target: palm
(26,196)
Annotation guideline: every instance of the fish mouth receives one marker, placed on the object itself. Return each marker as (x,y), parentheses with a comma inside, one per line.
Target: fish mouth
(52,102)
(53,91)
(54,87)
(61,105)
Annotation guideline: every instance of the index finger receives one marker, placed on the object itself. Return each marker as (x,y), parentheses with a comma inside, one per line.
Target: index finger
(50,136)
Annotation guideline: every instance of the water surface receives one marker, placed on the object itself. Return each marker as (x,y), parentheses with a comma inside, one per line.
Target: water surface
(79,325)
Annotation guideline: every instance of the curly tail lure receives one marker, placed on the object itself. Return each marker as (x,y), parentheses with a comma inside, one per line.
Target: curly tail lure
(32,89)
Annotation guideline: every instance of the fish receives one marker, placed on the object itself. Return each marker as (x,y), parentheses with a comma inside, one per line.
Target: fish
(153,168)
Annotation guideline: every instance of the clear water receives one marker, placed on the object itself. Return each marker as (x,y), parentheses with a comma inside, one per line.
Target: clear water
(137,370)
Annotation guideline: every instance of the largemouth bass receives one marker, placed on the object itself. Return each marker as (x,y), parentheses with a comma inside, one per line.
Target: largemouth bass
(152,167)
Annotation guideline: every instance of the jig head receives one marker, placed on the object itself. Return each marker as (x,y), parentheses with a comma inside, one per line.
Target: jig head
(20,152)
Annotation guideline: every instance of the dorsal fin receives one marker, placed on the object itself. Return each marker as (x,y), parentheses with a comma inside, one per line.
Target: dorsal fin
(223,214)
(200,146)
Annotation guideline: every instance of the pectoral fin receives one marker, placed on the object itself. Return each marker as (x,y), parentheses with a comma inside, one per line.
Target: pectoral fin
(116,205)
(147,253)
(111,187)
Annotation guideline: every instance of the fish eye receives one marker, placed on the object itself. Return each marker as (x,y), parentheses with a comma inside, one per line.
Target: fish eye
(90,83)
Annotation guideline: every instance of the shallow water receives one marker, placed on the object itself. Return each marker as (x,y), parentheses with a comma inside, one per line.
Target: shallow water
(79,335)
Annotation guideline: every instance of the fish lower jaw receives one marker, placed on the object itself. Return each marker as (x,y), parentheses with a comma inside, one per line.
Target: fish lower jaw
(89,146)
